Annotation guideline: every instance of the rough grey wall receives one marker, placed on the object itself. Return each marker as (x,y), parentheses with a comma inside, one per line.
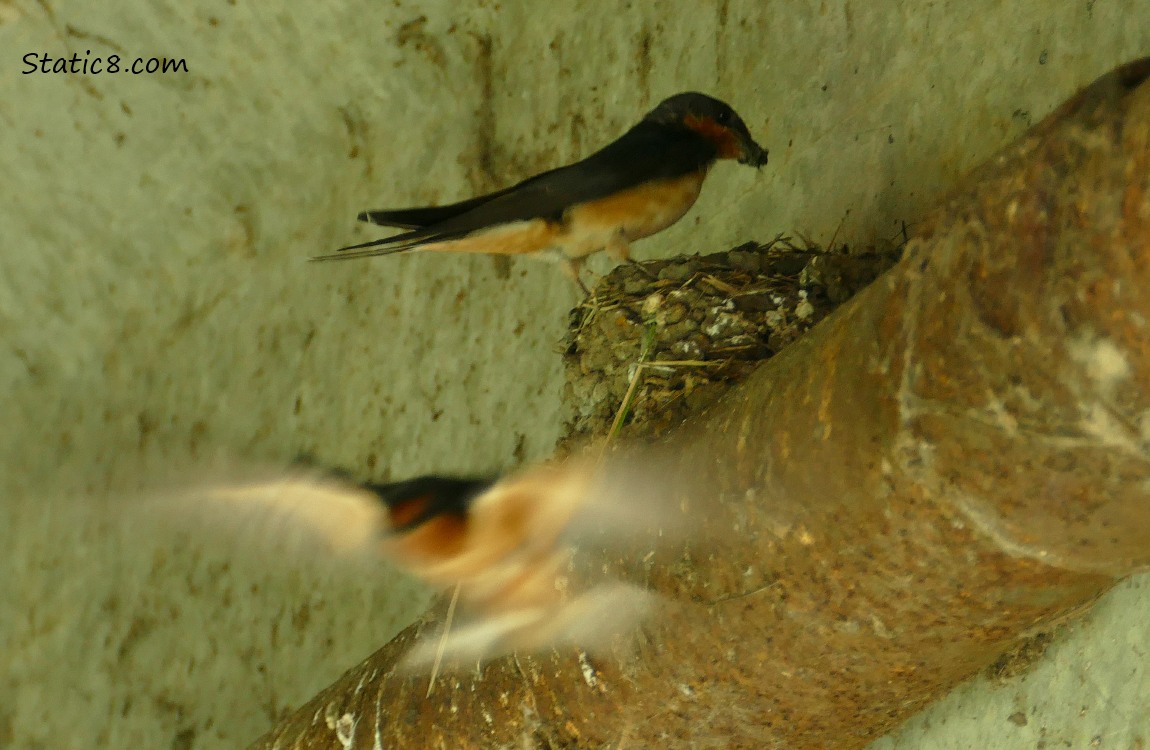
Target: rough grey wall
(156,313)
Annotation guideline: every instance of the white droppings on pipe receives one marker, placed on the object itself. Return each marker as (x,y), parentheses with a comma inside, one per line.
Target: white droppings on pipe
(1105,364)
(345,730)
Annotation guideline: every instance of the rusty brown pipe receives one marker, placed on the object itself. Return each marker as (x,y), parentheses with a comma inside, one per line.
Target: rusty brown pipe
(960,453)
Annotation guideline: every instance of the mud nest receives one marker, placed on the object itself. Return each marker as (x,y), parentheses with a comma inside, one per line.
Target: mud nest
(660,340)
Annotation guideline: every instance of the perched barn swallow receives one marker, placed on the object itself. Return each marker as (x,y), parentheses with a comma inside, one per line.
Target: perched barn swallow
(639,185)
(509,545)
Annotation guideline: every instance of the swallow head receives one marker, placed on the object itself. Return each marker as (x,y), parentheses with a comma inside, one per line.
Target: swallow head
(715,121)
(427,519)
(413,502)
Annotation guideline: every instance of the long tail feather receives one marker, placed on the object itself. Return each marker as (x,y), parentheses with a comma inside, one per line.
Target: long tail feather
(418,218)
(428,216)
(387,246)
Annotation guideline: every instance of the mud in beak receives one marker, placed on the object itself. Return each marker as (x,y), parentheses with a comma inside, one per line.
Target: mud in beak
(752,153)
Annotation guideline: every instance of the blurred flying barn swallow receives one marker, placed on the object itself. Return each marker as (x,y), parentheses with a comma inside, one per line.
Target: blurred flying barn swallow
(639,185)
(509,546)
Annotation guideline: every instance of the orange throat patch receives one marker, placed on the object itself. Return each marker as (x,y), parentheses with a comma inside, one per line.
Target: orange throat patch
(726,142)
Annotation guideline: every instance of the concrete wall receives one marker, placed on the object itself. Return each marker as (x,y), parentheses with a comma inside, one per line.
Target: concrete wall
(159,326)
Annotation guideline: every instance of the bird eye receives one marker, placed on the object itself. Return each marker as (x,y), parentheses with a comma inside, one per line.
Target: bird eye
(723,117)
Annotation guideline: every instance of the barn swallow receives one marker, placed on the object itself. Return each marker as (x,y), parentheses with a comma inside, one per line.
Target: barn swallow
(508,544)
(639,185)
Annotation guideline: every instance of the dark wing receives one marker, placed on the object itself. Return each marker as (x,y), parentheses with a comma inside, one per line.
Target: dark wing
(647,152)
